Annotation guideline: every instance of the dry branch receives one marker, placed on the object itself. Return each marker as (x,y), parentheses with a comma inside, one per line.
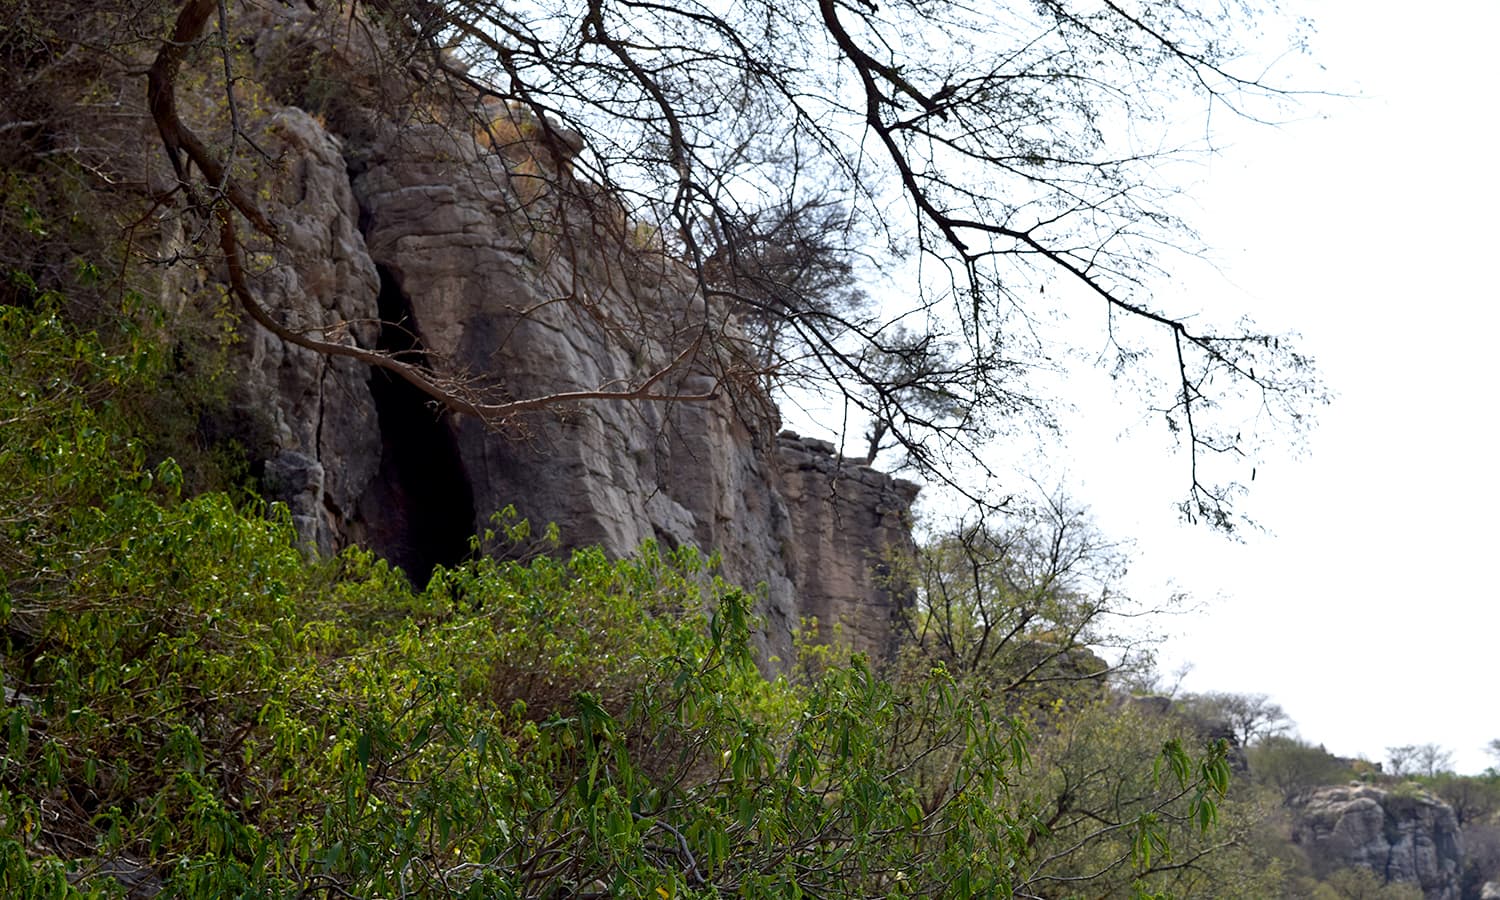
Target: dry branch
(185,149)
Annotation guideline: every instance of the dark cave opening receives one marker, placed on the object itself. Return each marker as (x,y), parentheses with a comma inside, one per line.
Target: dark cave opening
(422,502)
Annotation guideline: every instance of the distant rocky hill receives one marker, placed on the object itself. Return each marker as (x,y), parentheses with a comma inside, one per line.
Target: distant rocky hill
(1402,834)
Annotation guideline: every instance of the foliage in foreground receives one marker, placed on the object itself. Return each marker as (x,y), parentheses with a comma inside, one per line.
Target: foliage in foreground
(192,704)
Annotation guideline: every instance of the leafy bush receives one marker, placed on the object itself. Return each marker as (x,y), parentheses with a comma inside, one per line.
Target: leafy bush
(191,703)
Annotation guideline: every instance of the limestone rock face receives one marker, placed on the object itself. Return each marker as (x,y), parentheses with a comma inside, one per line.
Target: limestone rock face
(1402,836)
(500,265)
(315,413)
(488,295)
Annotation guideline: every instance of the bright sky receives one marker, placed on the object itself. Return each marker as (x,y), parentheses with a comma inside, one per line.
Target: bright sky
(1368,609)
(1370,613)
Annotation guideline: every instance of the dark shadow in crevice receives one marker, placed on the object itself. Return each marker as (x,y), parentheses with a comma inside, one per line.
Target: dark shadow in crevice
(421,509)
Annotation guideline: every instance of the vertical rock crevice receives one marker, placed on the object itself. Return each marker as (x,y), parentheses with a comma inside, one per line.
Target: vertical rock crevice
(420,509)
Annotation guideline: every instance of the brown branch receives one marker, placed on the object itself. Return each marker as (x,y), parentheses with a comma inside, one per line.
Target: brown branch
(161,100)
(448,395)
(185,148)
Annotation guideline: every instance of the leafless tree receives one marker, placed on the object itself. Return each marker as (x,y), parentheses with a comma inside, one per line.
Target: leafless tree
(1252,717)
(986,169)
(1010,149)
(1402,760)
(1433,759)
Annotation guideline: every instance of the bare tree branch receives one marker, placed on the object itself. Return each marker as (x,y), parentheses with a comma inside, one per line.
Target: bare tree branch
(186,149)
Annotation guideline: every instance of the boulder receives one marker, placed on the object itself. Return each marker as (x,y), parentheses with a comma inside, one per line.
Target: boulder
(1402,835)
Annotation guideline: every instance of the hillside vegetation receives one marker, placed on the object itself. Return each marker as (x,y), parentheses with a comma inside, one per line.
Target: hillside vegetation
(199,703)
(196,704)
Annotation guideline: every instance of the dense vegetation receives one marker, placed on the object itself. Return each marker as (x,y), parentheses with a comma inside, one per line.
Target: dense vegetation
(196,702)
(197,705)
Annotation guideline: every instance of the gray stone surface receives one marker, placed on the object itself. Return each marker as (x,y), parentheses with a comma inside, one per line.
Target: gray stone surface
(315,412)
(509,270)
(533,318)
(847,521)
(1402,835)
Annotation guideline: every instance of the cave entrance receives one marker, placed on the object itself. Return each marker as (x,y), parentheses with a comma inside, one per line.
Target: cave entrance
(422,498)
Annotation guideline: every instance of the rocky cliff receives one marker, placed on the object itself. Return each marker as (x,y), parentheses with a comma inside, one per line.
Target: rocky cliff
(1401,835)
(435,240)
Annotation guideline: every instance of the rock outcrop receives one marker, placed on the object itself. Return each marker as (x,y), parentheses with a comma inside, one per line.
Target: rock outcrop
(492,260)
(314,417)
(1402,835)
(846,519)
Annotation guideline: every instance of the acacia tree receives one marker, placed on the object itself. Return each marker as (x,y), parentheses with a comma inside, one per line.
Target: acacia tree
(1021,606)
(1013,616)
(1251,717)
(1401,759)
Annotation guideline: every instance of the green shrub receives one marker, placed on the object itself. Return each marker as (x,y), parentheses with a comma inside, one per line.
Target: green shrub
(190,698)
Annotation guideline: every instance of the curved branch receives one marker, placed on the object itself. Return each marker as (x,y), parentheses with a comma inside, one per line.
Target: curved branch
(185,148)
(446,394)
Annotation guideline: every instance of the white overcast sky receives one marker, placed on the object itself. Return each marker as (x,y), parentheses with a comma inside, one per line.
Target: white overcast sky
(1370,610)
